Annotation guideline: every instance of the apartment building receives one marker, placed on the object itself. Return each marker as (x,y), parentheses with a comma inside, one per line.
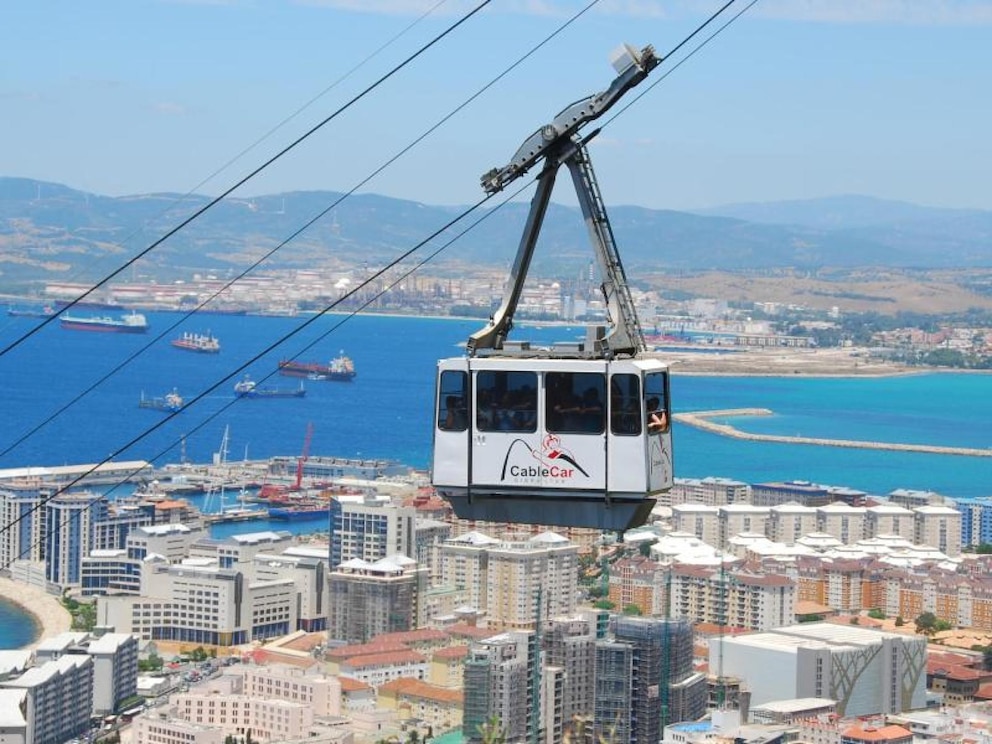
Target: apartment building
(53,702)
(370,530)
(939,526)
(787,523)
(366,599)
(514,583)
(732,598)
(709,491)
(501,682)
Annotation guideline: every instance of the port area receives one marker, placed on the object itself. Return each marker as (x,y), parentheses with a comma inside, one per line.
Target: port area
(703,420)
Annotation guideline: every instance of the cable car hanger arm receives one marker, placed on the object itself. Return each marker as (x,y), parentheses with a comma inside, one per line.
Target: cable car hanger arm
(632,66)
(559,144)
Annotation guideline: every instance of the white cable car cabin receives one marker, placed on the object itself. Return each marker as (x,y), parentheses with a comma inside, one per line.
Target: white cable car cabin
(577,434)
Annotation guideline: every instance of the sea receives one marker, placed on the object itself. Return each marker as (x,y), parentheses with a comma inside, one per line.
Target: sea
(71,397)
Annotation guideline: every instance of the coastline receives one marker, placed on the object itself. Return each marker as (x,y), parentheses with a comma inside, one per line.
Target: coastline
(49,616)
(777,362)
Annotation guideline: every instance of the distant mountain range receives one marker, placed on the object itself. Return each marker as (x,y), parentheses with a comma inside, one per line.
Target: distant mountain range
(49,231)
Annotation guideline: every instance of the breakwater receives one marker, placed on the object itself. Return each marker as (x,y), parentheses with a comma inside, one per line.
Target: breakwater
(702,420)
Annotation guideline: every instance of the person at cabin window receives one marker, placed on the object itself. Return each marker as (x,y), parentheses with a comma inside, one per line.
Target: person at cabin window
(457,417)
(657,419)
(592,411)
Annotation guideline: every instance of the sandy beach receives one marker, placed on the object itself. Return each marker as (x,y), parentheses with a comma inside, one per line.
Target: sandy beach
(49,614)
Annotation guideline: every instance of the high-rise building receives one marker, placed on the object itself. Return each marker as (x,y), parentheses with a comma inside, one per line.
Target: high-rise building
(58,699)
(502,684)
(370,530)
(366,599)
(514,583)
(614,688)
(664,687)
(570,644)
(69,531)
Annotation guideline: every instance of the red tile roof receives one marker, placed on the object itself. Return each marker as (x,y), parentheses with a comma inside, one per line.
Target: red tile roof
(451,652)
(418,689)
(389,658)
(881,733)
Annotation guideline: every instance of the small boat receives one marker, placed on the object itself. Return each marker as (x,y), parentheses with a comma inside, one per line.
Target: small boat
(130,323)
(248,388)
(203,343)
(309,510)
(169,403)
(339,369)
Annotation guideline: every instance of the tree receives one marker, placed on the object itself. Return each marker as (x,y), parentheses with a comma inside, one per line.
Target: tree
(632,609)
(603,604)
(926,623)
(492,732)
(899,621)
(645,548)
(876,613)
(854,620)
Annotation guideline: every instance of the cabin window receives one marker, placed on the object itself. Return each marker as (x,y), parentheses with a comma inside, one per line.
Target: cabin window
(506,401)
(452,413)
(656,396)
(625,404)
(575,402)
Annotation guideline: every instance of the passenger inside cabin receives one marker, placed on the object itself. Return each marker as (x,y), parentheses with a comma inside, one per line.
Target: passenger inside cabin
(657,418)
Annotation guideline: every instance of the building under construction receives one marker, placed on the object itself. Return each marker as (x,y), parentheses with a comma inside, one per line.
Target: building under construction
(663,686)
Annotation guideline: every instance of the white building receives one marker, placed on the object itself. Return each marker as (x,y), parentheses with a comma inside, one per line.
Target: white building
(868,672)
(939,527)
(57,702)
(507,578)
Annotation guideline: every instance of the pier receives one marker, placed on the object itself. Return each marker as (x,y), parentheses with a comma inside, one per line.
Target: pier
(701,420)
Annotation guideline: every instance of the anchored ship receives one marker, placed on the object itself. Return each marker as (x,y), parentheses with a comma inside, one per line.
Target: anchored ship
(170,402)
(203,343)
(129,323)
(339,369)
(248,388)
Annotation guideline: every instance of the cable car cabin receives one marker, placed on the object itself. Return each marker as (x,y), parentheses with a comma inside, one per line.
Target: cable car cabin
(575,436)
(574,443)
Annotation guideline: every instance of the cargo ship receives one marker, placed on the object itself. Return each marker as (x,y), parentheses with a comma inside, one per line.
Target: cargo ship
(203,343)
(130,323)
(169,403)
(339,369)
(248,388)
(309,510)
(31,312)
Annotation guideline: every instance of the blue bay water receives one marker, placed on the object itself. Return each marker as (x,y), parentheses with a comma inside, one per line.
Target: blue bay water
(386,412)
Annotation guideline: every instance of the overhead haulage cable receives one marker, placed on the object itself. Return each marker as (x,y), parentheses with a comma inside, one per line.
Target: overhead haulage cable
(322,213)
(259,140)
(687,57)
(227,192)
(292,333)
(338,324)
(347,295)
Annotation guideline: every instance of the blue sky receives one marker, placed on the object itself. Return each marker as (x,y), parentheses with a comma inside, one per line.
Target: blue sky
(796,99)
